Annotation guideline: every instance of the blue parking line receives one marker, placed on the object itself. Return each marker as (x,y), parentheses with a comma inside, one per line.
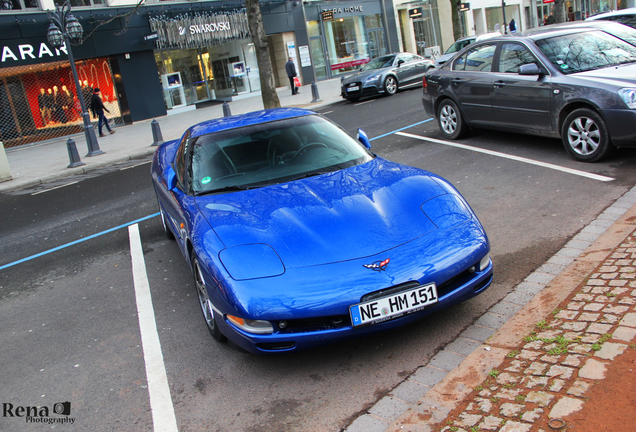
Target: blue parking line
(77,241)
(400,130)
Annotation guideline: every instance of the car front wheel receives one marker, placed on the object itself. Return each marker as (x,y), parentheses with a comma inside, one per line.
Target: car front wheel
(204,301)
(390,85)
(585,136)
(450,120)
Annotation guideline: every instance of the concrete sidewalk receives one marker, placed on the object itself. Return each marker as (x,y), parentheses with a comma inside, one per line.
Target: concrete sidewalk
(48,161)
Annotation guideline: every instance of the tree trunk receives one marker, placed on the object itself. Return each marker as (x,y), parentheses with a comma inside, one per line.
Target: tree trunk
(266,71)
(457,22)
(559,15)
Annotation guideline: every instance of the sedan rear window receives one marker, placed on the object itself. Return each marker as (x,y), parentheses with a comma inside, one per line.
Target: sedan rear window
(586,51)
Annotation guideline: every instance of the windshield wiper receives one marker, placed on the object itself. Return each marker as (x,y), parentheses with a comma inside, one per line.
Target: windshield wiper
(230,188)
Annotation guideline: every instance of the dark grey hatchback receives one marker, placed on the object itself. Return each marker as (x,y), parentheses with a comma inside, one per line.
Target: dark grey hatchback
(573,82)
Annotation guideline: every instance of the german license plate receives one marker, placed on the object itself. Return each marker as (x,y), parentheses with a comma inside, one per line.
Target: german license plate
(354,88)
(392,306)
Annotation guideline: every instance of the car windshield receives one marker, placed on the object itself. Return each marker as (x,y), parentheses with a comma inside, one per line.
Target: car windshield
(580,52)
(458,46)
(628,34)
(379,63)
(271,153)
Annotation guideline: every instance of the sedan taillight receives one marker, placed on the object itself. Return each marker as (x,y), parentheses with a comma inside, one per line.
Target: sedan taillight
(424,81)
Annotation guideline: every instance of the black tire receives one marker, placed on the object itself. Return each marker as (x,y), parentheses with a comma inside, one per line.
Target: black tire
(585,136)
(450,120)
(166,231)
(390,85)
(205,303)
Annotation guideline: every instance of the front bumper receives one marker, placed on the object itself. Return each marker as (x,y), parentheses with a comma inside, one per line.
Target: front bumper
(314,301)
(371,88)
(620,124)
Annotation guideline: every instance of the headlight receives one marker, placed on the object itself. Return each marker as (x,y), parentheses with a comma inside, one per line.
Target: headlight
(483,264)
(629,96)
(372,78)
(251,326)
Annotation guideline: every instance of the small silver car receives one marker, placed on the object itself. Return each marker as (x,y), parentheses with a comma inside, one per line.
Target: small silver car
(385,75)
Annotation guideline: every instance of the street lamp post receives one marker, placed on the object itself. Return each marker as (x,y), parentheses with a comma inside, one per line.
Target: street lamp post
(64,28)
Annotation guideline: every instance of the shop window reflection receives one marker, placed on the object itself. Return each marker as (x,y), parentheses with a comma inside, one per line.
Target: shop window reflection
(7,5)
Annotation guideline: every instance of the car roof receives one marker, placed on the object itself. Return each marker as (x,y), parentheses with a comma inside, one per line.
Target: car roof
(620,12)
(249,119)
(548,31)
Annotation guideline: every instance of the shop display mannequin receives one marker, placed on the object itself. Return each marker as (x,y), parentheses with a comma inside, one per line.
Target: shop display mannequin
(67,104)
(87,93)
(50,104)
(45,111)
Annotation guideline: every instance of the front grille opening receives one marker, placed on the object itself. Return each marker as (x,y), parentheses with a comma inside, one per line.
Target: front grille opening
(332,322)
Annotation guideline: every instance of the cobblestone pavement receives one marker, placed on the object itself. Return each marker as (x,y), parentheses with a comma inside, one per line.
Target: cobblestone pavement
(547,377)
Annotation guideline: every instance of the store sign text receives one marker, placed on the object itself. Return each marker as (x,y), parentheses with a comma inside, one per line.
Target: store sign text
(206,28)
(347,9)
(28,50)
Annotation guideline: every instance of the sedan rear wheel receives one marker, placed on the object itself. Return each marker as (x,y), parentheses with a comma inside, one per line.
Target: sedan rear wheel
(390,85)
(204,301)
(585,135)
(450,120)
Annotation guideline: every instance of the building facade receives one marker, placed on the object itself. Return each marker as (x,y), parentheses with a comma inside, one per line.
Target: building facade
(166,57)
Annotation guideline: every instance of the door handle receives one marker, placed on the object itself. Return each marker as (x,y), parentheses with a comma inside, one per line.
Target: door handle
(499,84)
(456,80)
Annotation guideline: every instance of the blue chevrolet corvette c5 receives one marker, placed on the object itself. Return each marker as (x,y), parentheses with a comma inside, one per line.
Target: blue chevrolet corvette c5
(297,235)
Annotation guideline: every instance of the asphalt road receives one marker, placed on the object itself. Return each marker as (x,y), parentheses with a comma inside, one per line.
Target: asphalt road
(68,319)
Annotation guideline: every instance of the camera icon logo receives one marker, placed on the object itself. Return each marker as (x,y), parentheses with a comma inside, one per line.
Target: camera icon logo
(62,408)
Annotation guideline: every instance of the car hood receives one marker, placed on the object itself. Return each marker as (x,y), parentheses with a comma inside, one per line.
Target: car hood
(619,76)
(349,214)
(361,76)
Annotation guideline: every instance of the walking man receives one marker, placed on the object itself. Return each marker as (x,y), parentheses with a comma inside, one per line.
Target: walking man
(98,108)
(290,67)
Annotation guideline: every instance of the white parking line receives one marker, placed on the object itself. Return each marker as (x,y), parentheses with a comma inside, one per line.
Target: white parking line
(362,103)
(53,188)
(163,417)
(511,157)
(135,166)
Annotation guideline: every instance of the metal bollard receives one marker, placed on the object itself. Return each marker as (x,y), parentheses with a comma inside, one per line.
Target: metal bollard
(73,155)
(157,138)
(314,93)
(226,109)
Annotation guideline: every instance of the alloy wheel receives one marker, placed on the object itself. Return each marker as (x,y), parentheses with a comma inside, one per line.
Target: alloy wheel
(448,119)
(584,136)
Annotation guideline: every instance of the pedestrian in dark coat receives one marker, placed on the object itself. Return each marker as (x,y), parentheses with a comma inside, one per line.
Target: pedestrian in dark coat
(290,67)
(512,26)
(98,108)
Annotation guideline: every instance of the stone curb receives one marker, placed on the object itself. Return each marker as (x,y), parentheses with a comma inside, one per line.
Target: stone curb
(434,390)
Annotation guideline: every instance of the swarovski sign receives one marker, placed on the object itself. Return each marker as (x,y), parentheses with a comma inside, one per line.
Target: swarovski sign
(200,30)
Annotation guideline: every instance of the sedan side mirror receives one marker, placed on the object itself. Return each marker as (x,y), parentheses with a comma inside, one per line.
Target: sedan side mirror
(363,138)
(400,62)
(529,69)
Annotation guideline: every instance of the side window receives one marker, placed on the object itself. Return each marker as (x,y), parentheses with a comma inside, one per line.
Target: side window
(477,59)
(514,55)
(404,58)
(180,160)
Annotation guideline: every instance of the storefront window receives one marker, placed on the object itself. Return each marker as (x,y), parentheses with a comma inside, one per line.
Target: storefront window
(40,102)
(6,5)
(313,28)
(346,44)
(81,3)
(373,21)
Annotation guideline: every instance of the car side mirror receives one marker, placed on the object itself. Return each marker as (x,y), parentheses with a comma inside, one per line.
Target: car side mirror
(400,62)
(171,178)
(363,138)
(529,69)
